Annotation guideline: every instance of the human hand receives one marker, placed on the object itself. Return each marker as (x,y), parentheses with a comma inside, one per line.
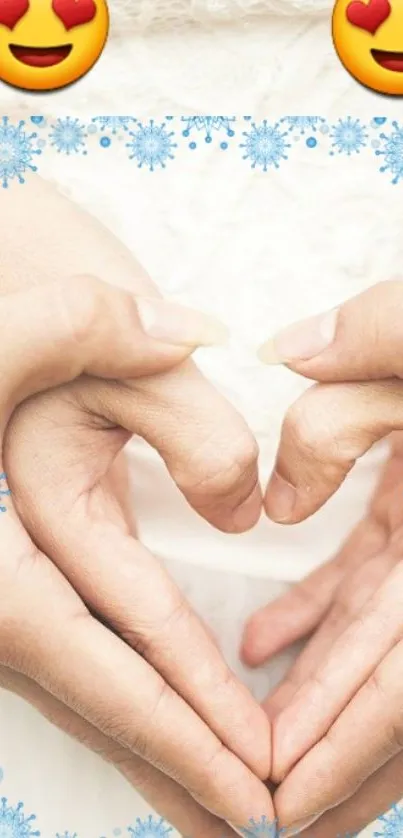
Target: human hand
(80,318)
(320,607)
(206,732)
(345,685)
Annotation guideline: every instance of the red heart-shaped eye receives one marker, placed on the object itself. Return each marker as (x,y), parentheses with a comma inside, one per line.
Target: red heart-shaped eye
(11,11)
(74,12)
(368,16)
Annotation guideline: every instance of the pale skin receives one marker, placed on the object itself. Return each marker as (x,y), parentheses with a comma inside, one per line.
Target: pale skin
(84,425)
(177,722)
(347,754)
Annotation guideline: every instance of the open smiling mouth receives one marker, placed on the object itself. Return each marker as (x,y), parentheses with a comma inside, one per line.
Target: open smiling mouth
(40,56)
(388,60)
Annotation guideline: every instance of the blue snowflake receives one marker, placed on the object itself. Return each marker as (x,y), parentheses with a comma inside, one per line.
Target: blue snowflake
(150,828)
(392,824)
(114,124)
(209,125)
(303,123)
(265,145)
(260,829)
(17,150)
(151,145)
(68,136)
(392,152)
(66,835)
(348,136)
(13,823)
(4,492)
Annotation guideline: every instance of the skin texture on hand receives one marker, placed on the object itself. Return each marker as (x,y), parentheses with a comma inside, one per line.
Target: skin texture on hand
(327,605)
(358,401)
(175,705)
(214,458)
(167,797)
(347,684)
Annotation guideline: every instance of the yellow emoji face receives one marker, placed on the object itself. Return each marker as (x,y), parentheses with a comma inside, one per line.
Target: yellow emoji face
(368,37)
(48,44)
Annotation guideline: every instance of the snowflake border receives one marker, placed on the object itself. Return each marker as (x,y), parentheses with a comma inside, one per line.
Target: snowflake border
(15,822)
(154,145)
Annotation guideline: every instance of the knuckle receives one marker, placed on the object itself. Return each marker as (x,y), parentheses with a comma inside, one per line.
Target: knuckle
(220,775)
(229,469)
(140,736)
(139,773)
(80,303)
(318,687)
(307,594)
(379,697)
(151,640)
(133,737)
(162,698)
(320,425)
(303,426)
(377,688)
(341,611)
(176,622)
(338,785)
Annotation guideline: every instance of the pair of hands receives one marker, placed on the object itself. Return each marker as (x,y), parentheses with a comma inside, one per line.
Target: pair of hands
(165,725)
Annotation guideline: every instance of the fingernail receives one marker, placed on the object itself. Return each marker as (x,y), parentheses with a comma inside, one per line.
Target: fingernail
(247,515)
(298,827)
(280,499)
(172,323)
(301,341)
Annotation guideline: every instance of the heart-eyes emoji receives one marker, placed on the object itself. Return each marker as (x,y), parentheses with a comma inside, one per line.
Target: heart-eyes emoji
(48,44)
(368,37)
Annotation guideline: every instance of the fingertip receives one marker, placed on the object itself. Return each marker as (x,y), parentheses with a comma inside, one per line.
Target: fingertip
(248,513)
(255,646)
(229,519)
(248,655)
(284,504)
(280,499)
(277,700)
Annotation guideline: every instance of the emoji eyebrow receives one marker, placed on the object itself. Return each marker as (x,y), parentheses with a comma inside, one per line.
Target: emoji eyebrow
(11,12)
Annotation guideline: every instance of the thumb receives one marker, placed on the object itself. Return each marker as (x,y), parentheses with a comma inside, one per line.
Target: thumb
(324,432)
(54,333)
(360,340)
(337,421)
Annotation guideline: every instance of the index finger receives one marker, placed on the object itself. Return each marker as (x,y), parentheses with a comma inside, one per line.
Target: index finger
(367,734)
(352,659)
(378,795)
(87,667)
(120,579)
(205,443)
